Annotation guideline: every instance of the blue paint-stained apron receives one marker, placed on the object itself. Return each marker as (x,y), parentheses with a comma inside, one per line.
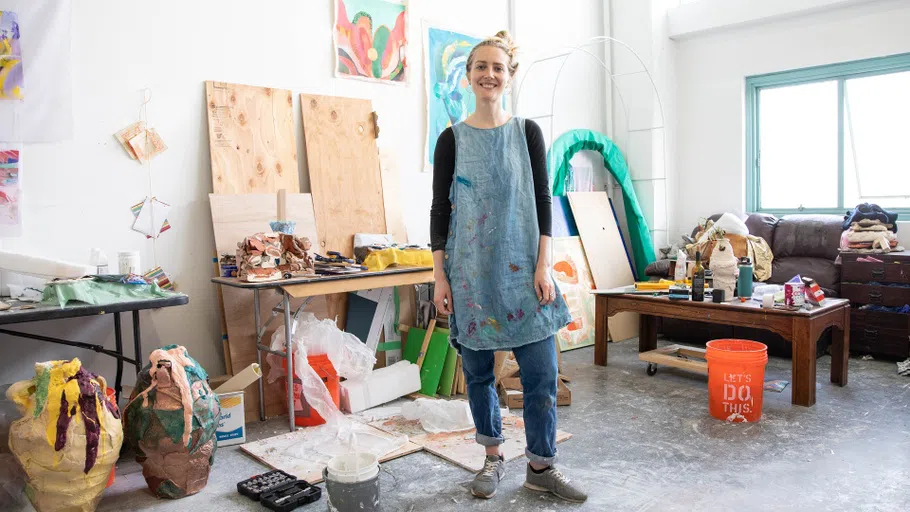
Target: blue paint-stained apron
(491,250)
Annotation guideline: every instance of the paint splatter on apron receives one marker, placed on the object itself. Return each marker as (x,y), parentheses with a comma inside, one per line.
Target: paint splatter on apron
(493,240)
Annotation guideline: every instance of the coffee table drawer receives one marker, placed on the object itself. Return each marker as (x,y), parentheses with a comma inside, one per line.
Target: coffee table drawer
(875,294)
(881,333)
(858,271)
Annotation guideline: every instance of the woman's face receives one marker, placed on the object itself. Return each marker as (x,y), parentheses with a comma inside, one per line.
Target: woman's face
(489,73)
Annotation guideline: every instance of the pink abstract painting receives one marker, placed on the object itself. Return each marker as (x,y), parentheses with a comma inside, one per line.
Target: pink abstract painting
(371,40)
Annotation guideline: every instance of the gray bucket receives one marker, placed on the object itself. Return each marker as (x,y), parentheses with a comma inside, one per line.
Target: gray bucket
(352,496)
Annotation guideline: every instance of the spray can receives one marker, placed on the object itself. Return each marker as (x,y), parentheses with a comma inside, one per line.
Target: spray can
(744,281)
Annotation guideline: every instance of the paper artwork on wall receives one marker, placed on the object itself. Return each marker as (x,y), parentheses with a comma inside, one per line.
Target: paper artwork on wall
(449,95)
(139,142)
(10,207)
(148,214)
(371,40)
(11,83)
(572,275)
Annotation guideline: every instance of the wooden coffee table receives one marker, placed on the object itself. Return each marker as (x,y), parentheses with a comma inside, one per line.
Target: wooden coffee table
(801,328)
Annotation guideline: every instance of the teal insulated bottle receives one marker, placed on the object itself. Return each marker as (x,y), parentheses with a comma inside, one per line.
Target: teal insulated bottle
(744,282)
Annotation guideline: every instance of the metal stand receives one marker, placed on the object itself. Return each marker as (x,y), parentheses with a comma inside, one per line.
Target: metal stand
(282,307)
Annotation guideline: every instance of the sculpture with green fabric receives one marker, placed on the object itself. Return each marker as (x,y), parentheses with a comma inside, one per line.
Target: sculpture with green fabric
(558,157)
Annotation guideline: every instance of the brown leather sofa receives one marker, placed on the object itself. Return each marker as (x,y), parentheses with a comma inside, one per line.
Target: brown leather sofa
(801,244)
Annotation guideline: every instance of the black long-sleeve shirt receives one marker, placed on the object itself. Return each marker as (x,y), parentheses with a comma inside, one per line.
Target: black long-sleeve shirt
(444,172)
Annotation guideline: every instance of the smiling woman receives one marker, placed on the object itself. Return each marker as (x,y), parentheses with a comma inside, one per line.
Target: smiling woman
(490,226)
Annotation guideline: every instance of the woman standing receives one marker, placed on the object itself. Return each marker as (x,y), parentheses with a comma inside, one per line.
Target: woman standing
(490,226)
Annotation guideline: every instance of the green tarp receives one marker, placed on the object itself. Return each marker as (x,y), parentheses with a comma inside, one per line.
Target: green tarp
(558,157)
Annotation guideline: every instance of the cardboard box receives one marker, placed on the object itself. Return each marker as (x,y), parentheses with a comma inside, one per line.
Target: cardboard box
(232,425)
(511,393)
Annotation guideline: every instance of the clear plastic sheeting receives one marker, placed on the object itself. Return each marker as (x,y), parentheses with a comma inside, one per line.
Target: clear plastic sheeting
(438,416)
(352,360)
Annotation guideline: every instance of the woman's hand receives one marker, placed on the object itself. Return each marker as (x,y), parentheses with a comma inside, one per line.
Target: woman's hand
(543,284)
(442,297)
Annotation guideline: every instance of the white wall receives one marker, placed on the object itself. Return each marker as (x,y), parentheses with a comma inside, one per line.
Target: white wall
(711,70)
(80,191)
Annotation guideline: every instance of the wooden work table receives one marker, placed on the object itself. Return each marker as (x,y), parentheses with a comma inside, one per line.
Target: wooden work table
(801,328)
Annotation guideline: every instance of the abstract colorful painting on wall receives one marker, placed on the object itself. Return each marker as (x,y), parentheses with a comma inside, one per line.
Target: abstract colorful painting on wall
(371,40)
(572,275)
(11,87)
(10,221)
(449,95)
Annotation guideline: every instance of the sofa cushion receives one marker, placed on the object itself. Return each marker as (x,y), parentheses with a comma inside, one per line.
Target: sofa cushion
(762,225)
(825,272)
(807,235)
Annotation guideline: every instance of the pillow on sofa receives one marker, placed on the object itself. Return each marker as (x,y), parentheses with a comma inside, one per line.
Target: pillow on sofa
(815,236)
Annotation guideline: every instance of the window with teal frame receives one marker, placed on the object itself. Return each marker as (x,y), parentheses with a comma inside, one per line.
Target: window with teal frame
(824,139)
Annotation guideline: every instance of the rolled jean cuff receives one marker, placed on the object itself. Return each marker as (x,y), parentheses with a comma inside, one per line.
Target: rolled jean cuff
(537,459)
(489,441)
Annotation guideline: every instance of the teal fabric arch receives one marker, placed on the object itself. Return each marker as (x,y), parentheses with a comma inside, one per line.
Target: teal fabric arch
(558,157)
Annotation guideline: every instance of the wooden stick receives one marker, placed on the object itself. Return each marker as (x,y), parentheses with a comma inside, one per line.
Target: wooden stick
(426,343)
(282,205)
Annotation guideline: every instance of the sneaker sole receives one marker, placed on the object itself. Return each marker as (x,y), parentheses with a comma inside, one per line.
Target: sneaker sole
(481,496)
(554,493)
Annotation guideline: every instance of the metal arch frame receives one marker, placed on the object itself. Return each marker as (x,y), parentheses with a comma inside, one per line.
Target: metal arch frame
(571,50)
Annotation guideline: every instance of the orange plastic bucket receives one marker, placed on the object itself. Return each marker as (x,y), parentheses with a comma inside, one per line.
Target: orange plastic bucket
(736,378)
(304,415)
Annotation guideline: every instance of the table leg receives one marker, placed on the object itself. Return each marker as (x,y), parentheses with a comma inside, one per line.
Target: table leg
(647,333)
(118,340)
(137,342)
(256,321)
(600,330)
(804,352)
(290,357)
(840,351)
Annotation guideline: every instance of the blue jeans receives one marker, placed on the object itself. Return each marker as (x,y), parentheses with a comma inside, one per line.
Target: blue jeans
(539,374)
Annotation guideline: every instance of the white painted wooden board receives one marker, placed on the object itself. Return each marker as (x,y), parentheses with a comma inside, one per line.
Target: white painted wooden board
(605,252)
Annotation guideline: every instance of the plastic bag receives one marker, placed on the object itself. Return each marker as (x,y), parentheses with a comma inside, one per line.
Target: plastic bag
(439,415)
(680,274)
(351,358)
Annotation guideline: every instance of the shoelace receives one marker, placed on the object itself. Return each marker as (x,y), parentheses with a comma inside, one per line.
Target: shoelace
(489,468)
(559,476)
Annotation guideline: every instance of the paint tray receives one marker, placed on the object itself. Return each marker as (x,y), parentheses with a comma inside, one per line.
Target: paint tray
(258,485)
(291,496)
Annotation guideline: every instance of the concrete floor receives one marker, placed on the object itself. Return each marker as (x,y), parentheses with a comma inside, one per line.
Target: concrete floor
(647,443)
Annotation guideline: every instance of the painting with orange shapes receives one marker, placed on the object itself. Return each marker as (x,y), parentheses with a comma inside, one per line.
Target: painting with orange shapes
(573,277)
(371,40)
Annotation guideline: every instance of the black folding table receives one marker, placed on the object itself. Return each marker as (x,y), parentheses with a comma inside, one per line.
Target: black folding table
(21,312)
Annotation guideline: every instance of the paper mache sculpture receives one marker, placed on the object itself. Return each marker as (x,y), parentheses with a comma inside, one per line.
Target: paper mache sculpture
(268,256)
(68,438)
(171,421)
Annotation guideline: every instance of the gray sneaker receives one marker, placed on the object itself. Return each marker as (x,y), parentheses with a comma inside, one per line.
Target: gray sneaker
(485,483)
(553,481)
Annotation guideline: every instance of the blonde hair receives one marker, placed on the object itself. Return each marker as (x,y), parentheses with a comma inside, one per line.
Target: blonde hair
(503,41)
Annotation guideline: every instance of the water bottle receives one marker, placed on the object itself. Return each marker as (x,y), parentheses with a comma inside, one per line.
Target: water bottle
(744,281)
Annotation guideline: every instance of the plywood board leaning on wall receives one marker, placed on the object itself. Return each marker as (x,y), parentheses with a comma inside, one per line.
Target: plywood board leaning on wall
(235,216)
(605,252)
(345,177)
(251,139)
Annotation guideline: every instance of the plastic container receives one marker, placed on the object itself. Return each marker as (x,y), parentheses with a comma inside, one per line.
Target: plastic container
(304,415)
(353,467)
(736,376)
(362,496)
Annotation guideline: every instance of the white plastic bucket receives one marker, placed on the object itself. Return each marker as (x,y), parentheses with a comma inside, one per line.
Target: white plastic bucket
(353,467)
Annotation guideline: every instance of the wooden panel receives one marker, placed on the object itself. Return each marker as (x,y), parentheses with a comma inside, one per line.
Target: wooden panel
(236,216)
(344,172)
(605,253)
(251,139)
(365,283)
(233,218)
